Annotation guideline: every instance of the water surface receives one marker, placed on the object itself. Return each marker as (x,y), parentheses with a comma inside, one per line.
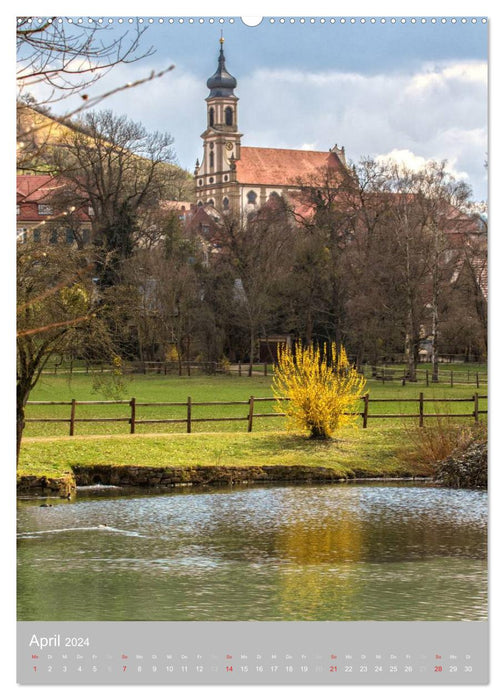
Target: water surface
(312,552)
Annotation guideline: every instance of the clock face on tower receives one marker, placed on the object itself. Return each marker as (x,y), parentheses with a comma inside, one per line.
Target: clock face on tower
(228,153)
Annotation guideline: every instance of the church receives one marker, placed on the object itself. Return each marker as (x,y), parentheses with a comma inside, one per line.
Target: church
(243,178)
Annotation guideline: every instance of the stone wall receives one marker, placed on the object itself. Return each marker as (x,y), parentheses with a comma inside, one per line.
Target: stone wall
(197,476)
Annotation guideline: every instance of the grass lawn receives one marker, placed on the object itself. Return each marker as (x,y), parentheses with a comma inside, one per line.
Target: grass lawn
(381,450)
(375,452)
(155,388)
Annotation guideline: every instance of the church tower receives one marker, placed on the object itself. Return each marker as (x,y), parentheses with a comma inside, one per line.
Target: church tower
(221,141)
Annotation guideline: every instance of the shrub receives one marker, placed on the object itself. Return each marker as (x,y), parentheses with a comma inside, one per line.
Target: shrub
(321,387)
(426,446)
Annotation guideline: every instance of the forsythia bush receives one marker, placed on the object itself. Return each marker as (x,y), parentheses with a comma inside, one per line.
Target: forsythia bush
(322,387)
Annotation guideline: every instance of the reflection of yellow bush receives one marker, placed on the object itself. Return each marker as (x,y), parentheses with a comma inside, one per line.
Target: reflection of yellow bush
(320,575)
(322,387)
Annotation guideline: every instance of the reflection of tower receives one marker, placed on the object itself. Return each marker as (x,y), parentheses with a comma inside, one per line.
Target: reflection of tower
(221,140)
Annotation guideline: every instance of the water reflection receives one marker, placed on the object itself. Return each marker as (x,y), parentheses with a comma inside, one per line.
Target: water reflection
(335,552)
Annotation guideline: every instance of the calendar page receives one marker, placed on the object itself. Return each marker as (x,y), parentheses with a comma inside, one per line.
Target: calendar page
(252,350)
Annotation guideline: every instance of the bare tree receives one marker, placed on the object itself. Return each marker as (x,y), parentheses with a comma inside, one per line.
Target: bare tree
(56,307)
(120,171)
(257,256)
(68,57)
(58,58)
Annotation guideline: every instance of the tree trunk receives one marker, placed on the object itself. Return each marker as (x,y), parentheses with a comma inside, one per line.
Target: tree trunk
(410,357)
(252,348)
(435,340)
(22,394)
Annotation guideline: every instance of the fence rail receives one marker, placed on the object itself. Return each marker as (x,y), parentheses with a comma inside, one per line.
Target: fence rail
(379,373)
(445,376)
(189,419)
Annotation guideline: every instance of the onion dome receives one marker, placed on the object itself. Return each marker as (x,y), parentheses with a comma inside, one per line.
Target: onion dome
(221,83)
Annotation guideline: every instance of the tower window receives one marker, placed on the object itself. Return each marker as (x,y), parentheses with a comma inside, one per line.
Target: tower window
(211,116)
(226,178)
(211,202)
(210,180)
(200,182)
(225,203)
(228,116)
(212,159)
(251,197)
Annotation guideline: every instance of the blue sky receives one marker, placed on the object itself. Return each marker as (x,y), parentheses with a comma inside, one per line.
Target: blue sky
(409,91)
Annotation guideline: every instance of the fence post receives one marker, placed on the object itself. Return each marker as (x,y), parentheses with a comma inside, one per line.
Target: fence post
(265,369)
(366,410)
(477,380)
(188,414)
(426,377)
(72,417)
(133,416)
(250,414)
(451,378)
(476,408)
(421,404)
(239,368)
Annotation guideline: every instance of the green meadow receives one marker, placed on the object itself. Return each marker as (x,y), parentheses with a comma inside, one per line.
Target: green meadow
(201,388)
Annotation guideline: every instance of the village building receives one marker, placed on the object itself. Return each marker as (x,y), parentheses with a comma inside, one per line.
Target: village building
(44,212)
(243,178)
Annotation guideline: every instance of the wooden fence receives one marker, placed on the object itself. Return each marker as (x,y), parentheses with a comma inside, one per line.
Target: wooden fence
(251,413)
(241,369)
(445,376)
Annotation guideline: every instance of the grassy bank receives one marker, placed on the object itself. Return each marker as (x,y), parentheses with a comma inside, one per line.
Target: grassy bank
(371,453)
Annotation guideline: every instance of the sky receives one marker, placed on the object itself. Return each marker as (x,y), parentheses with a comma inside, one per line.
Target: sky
(410,91)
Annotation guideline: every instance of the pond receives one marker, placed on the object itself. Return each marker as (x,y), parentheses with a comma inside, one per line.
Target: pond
(369,551)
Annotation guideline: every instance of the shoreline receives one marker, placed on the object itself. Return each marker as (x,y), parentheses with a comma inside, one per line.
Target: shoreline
(171,477)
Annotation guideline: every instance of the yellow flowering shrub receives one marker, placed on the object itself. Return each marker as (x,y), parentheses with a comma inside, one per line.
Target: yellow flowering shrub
(321,387)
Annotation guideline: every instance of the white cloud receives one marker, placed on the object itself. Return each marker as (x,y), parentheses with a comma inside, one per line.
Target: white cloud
(438,111)
(414,162)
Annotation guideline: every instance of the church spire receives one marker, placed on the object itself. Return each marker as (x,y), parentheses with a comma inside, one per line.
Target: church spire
(221,83)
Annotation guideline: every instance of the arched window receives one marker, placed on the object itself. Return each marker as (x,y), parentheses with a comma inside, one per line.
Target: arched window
(229,116)
(200,203)
(211,202)
(225,203)
(211,159)
(251,197)
(211,116)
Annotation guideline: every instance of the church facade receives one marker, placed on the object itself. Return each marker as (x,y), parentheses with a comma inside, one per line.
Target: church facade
(243,178)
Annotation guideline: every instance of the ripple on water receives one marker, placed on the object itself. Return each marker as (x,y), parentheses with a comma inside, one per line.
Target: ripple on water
(291,552)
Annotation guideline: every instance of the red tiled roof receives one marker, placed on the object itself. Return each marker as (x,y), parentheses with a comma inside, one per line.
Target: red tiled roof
(35,188)
(281,166)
